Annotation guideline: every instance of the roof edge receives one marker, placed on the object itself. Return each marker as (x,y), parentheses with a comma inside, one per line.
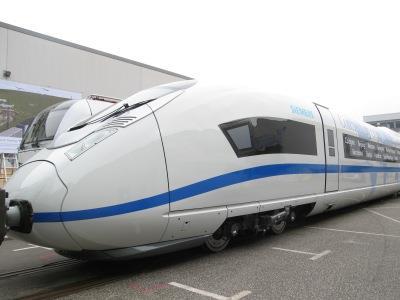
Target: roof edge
(88,49)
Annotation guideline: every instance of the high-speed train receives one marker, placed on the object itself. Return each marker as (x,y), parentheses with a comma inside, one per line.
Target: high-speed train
(183,164)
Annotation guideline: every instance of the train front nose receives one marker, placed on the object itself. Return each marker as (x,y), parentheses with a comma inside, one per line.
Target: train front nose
(38,187)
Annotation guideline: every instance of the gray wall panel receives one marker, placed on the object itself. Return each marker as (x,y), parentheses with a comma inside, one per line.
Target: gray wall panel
(45,61)
(151,78)
(3,49)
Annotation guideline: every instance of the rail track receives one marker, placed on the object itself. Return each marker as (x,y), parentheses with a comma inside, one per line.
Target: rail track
(73,288)
(62,290)
(43,268)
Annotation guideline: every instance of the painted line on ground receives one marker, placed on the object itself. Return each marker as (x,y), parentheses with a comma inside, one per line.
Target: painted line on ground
(315,256)
(381,215)
(31,247)
(379,207)
(323,253)
(294,251)
(26,248)
(351,231)
(238,296)
(354,242)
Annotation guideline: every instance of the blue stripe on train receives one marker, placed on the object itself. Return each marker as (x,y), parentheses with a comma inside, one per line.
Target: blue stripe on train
(202,187)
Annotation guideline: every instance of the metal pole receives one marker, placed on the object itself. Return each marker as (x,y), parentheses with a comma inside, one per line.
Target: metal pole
(8,117)
(16,161)
(3,157)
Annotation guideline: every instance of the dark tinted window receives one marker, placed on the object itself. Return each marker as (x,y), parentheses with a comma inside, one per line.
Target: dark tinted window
(331,140)
(358,148)
(240,136)
(255,136)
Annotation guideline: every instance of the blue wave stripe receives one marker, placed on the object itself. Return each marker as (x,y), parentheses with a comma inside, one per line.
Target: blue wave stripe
(102,212)
(202,187)
(47,217)
(367,169)
(243,176)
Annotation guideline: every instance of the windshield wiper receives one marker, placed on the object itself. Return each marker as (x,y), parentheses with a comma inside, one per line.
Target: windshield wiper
(117,112)
(126,108)
(43,140)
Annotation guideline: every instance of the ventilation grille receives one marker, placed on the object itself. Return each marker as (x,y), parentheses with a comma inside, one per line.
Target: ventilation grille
(120,122)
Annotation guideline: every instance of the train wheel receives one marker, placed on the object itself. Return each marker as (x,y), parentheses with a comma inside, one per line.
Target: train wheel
(218,241)
(278,228)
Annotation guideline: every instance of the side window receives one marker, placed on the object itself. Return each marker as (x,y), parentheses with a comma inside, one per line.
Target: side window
(239,136)
(359,148)
(331,142)
(256,136)
(283,136)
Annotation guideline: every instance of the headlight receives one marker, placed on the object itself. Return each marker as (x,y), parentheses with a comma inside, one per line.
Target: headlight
(88,142)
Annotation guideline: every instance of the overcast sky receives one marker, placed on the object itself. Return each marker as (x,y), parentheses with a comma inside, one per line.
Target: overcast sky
(344,54)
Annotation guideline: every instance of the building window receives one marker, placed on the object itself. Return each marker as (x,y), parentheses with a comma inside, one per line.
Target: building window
(397,124)
(256,136)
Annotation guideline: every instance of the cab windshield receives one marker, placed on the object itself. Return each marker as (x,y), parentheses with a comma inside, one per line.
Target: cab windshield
(45,124)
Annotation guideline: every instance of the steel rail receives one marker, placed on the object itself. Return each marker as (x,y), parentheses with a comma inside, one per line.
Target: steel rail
(29,271)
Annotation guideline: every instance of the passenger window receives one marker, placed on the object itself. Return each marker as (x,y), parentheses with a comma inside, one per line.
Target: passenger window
(283,136)
(331,140)
(255,136)
(240,137)
(238,133)
(359,148)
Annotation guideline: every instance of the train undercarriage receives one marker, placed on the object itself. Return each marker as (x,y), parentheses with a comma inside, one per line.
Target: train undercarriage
(273,221)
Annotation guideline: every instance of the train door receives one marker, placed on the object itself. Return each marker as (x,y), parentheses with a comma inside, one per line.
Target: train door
(331,149)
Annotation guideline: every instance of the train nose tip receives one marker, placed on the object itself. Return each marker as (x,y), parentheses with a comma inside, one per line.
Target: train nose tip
(39,184)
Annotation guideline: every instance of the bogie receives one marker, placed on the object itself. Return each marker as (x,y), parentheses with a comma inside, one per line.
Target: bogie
(274,221)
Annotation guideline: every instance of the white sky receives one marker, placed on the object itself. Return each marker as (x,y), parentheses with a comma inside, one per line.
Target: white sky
(344,54)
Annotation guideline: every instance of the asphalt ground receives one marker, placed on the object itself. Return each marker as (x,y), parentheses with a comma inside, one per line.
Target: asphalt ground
(353,253)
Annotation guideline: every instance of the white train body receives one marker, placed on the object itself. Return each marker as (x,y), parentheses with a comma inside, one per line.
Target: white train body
(172,171)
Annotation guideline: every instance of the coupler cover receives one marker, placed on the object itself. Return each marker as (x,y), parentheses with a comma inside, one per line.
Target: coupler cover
(3,229)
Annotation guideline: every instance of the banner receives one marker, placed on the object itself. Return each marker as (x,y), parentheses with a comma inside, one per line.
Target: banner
(9,144)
